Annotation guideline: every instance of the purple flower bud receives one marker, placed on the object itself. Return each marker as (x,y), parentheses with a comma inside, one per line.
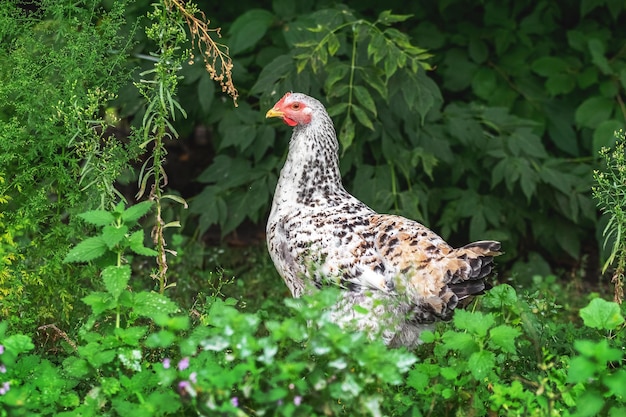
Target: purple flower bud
(185,388)
(167,363)
(297,400)
(1,349)
(5,388)
(3,369)
(193,377)
(234,401)
(183,364)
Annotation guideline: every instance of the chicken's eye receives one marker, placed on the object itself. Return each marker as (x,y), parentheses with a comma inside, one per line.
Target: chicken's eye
(295,106)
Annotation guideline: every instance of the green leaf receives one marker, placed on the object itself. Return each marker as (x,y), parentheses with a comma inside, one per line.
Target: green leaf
(135,212)
(484,82)
(333,43)
(598,49)
(246,204)
(272,73)
(580,370)
(17,344)
(136,244)
(586,6)
(616,383)
(392,60)
(102,357)
(116,279)
(346,133)
(461,342)
(206,92)
(503,337)
(549,66)
(248,29)
(335,73)
(76,367)
(420,376)
(474,322)
(112,235)
(602,314)
(87,250)
(594,111)
(616,411)
(587,77)
(149,304)
(528,180)
(589,404)
(604,134)
(498,172)
(99,302)
(481,363)
(560,84)
(478,50)
(500,296)
(373,80)
(427,336)
(361,116)
(227,172)
(161,339)
(601,351)
(337,109)
(97,217)
(131,336)
(387,18)
(557,178)
(364,98)
(449,373)
(376,48)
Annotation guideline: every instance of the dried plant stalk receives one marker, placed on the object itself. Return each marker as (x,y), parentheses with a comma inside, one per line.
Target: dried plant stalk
(216,56)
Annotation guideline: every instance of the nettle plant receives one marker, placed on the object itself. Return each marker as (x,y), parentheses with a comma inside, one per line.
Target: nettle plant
(109,248)
(518,357)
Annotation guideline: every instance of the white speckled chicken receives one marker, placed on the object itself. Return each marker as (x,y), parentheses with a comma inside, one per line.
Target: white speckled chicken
(402,275)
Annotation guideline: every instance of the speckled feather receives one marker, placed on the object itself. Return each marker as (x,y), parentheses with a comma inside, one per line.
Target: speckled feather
(403,275)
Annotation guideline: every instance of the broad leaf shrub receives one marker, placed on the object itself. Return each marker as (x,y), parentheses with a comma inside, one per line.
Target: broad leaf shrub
(501,145)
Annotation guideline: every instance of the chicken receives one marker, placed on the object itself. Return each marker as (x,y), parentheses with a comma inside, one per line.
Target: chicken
(401,275)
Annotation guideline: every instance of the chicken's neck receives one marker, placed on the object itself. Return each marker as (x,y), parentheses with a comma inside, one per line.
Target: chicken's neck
(311,173)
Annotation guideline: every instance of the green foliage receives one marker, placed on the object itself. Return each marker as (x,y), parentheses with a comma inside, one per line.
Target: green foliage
(495,149)
(61,66)
(609,193)
(499,362)
(158,362)
(508,156)
(116,235)
(109,247)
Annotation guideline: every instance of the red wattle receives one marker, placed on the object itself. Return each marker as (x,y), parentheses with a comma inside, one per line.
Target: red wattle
(289,121)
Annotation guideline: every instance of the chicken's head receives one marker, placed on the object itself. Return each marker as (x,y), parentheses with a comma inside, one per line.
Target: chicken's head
(294,108)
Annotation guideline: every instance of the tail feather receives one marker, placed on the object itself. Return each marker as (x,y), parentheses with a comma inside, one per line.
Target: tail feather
(479,257)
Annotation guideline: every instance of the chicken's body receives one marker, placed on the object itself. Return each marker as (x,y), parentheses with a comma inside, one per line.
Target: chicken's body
(403,275)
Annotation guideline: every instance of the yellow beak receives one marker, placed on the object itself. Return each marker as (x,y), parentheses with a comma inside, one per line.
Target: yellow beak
(274,113)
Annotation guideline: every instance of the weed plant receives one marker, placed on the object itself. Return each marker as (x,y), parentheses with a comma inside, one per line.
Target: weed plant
(610,193)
